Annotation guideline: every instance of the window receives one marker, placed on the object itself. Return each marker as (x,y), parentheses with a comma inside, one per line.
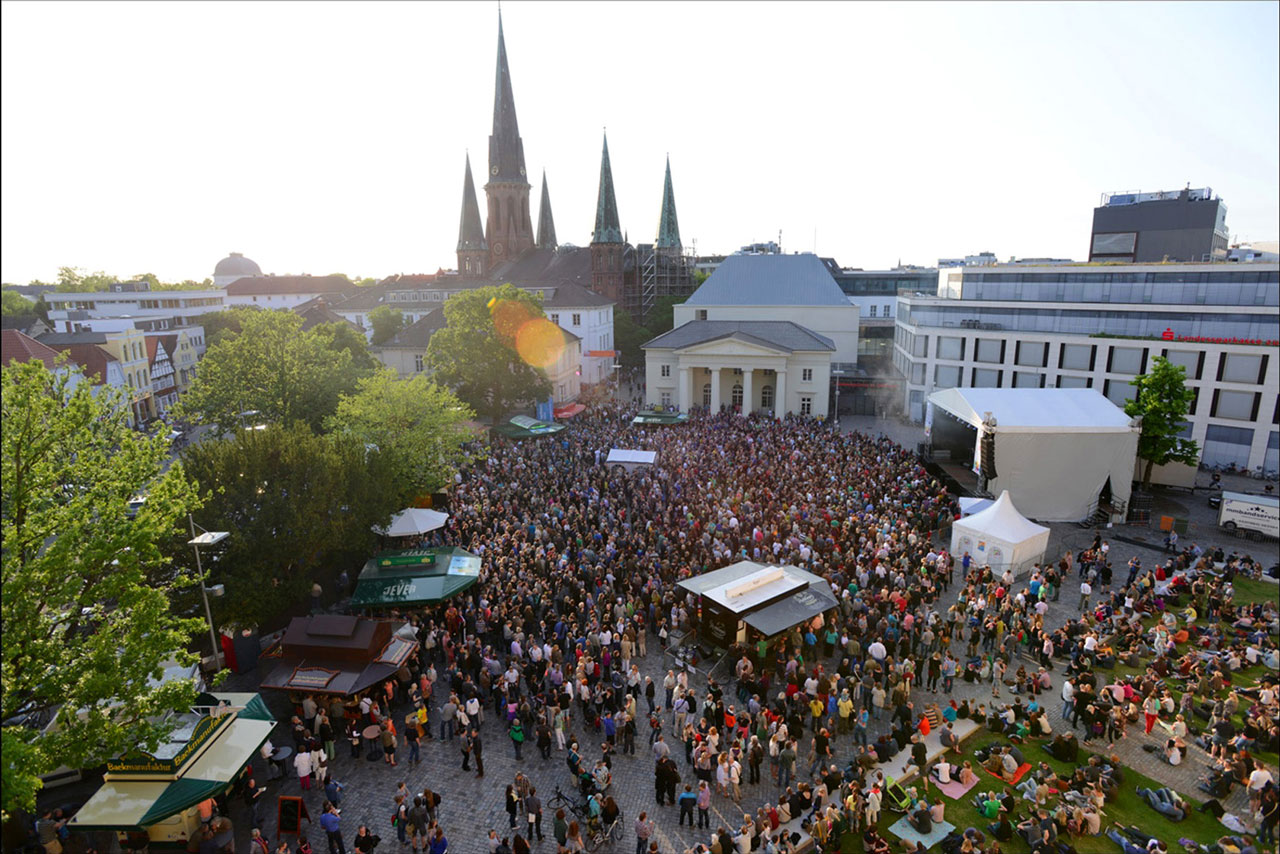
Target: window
(950,347)
(702,314)
(666,370)
(737,394)
(917,373)
(1126,360)
(1237,405)
(1118,391)
(706,394)
(873,312)
(665,398)
(417,362)
(946,376)
(806,375)
(986,378)
(1076,357)
(1032,354)
(1242,368)
(1229,435)
(766,396)
(555,318)
(577,319)
(806,404)
(1027,379)
(887,312)
(989,350)
(1191,360)
(920,346)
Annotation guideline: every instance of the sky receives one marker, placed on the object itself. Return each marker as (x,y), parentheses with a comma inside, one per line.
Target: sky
(324,137)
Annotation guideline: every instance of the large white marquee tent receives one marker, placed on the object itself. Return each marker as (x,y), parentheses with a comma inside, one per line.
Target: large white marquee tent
(1056,449)
(1000,537)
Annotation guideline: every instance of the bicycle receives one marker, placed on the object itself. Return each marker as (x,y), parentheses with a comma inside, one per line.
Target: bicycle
(560,799)
(600,834)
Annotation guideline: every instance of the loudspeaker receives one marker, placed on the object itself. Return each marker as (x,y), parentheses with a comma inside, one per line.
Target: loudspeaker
(987,456)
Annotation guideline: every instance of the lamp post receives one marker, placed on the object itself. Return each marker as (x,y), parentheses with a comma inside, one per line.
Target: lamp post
(837,375)
(206,538)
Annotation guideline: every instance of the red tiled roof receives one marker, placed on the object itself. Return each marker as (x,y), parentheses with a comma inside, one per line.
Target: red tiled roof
(16,346)
(93,359)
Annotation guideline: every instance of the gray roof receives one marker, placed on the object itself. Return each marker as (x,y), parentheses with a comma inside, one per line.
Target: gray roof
(66,339)
(570,295)
(770,280)
(416,335)
(778,334)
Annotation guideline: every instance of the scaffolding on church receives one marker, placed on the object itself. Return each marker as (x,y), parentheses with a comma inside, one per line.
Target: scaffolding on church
(661,273)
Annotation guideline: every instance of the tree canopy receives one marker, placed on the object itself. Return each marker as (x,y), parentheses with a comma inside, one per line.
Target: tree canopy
(1162,401)
(13,304)
(299,507)
(662,316)
(628,336)
(274,368)
(86,627)
(386,322)
(494,347)
(418,425)
(344,336)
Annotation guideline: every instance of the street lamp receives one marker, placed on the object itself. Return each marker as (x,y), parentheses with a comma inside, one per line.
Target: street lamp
(837,375)
(207,538)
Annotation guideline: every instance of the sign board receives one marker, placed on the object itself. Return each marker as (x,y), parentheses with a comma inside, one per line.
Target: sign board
(290,812)
(464,565)
(412,557)
(141,762)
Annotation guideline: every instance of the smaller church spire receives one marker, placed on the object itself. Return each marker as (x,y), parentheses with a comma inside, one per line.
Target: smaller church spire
(668,225)
(607,228)
(546,225)
(470,231)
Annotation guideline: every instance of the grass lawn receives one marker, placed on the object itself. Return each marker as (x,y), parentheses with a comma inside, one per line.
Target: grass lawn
(1127,808)
(1249,591)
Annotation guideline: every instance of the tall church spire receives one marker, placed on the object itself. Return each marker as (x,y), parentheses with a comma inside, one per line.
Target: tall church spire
(607,229)
(508,227)
(473,250)
(668,225)
(506,151)
(546,225)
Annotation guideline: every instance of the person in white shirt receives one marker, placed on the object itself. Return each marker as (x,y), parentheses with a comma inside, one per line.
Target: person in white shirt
(1086,590)
(1258,781)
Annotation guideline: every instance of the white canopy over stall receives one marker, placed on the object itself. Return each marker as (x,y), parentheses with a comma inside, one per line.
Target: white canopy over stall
(1000,537)
(1056,449)
(413,521)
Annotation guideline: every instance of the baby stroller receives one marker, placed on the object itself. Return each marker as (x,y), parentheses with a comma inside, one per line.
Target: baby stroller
(896,797)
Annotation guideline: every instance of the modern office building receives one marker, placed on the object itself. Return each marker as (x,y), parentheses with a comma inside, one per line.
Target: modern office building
(1140,228)
(1098,326)
(153,311)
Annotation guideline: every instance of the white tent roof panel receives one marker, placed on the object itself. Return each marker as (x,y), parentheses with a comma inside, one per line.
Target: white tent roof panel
(621,455)
(413,521)
(1035,410)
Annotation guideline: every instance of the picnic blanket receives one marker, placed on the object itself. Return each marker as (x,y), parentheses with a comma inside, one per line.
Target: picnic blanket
(955,790)
(902,829)
(1017,775)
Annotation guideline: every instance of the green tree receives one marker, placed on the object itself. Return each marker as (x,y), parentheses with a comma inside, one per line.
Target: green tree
(386,322)
(492,341)
(418,425)
(85,628)
(344,336)
(661,317)
(301,507)
(273,367)
(74,279)
(629,336)
(218,324)
(14,304)
(1162,401)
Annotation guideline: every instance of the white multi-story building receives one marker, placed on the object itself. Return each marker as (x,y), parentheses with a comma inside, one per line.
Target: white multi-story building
(154,311)
(1100,325)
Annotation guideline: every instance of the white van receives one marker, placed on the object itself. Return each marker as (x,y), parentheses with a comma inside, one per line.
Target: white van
(1258,513)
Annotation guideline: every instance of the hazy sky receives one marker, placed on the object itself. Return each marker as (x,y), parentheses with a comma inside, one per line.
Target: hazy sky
(329,137)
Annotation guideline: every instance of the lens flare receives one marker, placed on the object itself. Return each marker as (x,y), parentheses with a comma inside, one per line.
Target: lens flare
(539,342)
(508,318)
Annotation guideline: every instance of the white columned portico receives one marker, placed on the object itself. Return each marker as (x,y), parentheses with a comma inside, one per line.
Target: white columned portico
(715,390)
(685,393)
(780,393)
(747,399)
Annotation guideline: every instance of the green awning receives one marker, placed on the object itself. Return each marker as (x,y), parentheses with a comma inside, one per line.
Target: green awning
(415,577)
(182,793)
(660,418)
(524,427)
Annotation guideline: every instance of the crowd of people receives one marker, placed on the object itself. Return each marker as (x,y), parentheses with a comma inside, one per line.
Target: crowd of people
(580,567)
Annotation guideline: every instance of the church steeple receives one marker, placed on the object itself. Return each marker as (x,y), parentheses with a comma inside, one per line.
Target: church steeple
(546,225)
(607,229)
(668,225)
(508,228)
(473,250)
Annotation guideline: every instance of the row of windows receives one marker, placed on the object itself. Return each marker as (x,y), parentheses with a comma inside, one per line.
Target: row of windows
(806,374)
(1263,325)
(1220,276)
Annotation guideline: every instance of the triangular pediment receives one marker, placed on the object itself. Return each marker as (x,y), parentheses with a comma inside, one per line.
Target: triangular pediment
(733,345)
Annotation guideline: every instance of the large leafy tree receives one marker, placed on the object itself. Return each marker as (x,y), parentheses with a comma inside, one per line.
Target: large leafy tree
(220,324)
(420,426)
(1162,400)
(14,304)
(86,626)
(662,317)
(495,342)
(386,322)
(344,336)
(300,508)
(629,336)
(274,368)
(74,280)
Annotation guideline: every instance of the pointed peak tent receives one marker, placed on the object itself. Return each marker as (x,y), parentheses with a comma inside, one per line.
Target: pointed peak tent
(413,521)
(1000,537)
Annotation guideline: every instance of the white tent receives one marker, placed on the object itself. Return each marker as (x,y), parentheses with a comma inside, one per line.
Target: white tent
(413,521)
(630,460)
(969,506)
(1056,449)
(1000,537)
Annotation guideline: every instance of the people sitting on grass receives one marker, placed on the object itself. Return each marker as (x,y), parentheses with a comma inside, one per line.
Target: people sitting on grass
(1165,801)
(1134,841)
